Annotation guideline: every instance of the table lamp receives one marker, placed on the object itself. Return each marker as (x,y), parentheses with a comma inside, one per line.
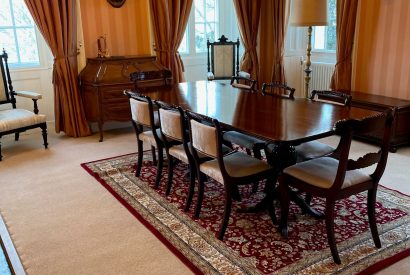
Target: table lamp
(308,13)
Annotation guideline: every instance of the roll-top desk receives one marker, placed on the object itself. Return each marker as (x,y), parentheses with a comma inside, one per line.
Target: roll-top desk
(103,81)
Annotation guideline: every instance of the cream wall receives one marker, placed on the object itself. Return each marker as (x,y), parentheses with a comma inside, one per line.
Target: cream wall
(381,62)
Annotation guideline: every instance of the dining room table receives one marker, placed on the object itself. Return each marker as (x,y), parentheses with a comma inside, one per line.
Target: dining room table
(280,121)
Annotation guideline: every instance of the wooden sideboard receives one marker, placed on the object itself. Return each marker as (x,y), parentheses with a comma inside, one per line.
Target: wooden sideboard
(103,81)
(401,129)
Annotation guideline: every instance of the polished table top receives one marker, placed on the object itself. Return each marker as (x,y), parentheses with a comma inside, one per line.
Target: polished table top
(271,118)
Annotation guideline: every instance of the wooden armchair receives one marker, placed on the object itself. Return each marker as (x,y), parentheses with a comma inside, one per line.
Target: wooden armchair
(223,58)
(15,121)
(336,177)
(243,81)
(278,89)
(231,169)
(314,149)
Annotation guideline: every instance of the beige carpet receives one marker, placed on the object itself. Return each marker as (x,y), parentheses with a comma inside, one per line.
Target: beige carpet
(63,222)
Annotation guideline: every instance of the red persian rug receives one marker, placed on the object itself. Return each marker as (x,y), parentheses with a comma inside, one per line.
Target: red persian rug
(252,244)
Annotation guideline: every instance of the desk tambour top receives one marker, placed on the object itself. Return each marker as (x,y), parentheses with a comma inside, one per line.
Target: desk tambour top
(271,118)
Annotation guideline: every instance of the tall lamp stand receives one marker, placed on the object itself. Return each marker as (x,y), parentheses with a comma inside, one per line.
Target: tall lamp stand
(308,70)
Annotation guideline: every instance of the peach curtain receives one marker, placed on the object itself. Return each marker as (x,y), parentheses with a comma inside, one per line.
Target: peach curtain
(57,21)
(346,23)
(273,26)
(169,20)
(248,13)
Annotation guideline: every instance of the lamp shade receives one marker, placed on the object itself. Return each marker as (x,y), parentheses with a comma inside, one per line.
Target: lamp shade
(309,13)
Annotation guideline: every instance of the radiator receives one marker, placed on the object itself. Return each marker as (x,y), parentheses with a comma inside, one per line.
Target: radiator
(320,76)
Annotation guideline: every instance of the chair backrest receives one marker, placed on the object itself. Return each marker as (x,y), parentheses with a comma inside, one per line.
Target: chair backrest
(172,122)
(6,87)
(223,58)
(243,81)
(278,89)
(142,111)
(347,129)
(334,97)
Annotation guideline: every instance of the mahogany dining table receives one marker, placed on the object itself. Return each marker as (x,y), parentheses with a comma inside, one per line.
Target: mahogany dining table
(284,122)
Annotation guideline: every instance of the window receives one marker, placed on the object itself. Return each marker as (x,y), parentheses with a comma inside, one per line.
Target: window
(18,34)
(324,38)
(206,22)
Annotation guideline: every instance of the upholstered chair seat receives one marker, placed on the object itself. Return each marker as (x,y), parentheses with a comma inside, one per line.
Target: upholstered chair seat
(148,137)
(325,173)
(18,118)
(237,165)
(312,149)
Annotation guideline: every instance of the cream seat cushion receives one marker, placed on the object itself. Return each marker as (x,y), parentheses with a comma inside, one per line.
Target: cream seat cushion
(148,137)
(178,152)
(321,172)
(18,118)
(237,165)
(311,150)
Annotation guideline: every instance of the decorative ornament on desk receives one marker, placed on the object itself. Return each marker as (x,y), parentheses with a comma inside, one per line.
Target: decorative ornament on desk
(116,3)
(102,47)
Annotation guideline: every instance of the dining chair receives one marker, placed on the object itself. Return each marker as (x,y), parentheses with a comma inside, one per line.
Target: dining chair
(314,149)
(15,120)
(335,177)
(173,125)
(222,58)
(231,169)
(144,116)
(243,81)
(278,89)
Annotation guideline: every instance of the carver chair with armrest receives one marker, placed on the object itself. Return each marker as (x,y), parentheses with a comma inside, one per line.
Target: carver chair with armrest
(144,116)
(14,120)
(314,149)
(243,81)
(231,169)
(278,89)
(222,58)
(336,177)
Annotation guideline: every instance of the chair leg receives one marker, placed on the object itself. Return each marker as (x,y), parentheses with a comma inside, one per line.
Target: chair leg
(159,166)
(16,136)
(154,156)
(257,153)
(330,216)
(1,157)
(248,151)
(191,188)
(227,212)
(200,195)
(139,161)
(170,161)
(44,133)
(308,198)
(284,206)
(371,204)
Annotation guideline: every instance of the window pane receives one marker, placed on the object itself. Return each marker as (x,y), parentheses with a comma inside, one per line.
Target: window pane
(210,10)
(199,11)
(324,38)
(7,42)
(183,47)
(319,38)
(200,41)
(22,16)
(27,45)
(5,14)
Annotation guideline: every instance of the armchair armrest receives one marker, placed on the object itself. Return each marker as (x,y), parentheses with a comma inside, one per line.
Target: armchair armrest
(29,94)
(33,95)
(211,76)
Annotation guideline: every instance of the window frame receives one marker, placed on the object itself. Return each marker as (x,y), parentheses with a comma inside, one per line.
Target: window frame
(42,49)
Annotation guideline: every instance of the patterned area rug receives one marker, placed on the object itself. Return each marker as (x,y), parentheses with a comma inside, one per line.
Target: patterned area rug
(252,244)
